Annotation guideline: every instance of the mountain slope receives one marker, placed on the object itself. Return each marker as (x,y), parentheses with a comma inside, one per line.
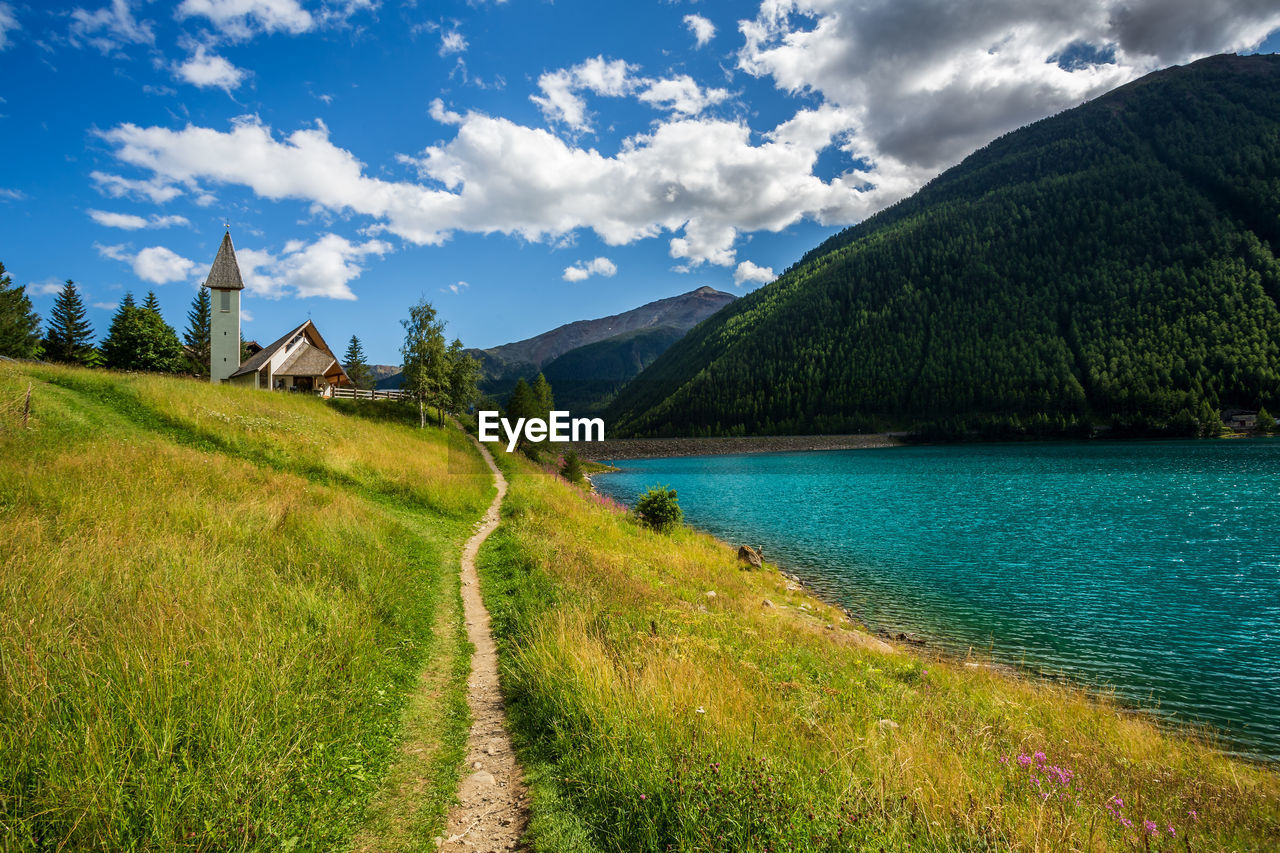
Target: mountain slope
(681,312)
(1117,261)
(587,378)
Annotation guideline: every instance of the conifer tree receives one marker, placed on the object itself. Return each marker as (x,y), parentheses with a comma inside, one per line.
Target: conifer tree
(69,337)
(521,404)
(543,401)
(1266,423)
(19,324)
(357,368)
(464,373)
(140,339)
(197,337)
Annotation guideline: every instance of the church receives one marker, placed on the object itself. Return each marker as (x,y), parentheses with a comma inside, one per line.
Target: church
(299,361)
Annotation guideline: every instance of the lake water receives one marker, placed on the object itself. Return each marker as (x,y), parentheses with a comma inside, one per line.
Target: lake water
(1150,567)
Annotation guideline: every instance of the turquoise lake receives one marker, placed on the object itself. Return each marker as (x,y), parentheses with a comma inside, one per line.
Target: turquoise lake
(1150,567)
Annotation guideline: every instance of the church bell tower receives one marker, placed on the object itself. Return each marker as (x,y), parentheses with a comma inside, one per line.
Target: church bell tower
(224,284)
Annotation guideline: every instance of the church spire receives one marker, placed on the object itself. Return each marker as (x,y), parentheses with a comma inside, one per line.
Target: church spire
(225,273)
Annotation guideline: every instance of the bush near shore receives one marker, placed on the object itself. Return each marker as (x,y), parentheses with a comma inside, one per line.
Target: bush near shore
(654,715)
(214,606)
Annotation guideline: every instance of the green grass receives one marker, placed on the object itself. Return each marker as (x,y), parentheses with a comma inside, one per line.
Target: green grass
(217,609)
(651,716)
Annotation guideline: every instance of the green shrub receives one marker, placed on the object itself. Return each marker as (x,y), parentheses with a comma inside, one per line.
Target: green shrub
(659,508)
(571,468)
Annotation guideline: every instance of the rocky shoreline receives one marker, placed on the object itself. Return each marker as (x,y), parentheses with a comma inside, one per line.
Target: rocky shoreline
(653,448)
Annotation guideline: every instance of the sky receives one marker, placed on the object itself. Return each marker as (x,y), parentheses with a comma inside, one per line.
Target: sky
(518,163)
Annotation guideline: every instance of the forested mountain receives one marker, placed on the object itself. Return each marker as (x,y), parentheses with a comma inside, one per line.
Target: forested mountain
(1115,263)
(586,379)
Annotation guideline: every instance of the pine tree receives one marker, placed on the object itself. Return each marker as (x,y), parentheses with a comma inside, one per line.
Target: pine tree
(69,337)
(543,401)
(521,404)
(464,373)
(19,325)
(571,470)
(426,376)
(1266,423)
(197,337)
(356,366)
(140,339)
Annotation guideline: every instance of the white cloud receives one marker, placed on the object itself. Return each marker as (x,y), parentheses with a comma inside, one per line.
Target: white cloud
(117,187)
(245,316)
(204,69)
(132,222)
(702,29)
(241,19)
(438,112)
(560,102)
(702,179)
(583,270)
(324,268)
(452,42)
(155,264)
(12,195)
(681,95)
(50,287)
(106,306)
(110,27)
(8,24)
(926,83)
(455,288)
(748,271)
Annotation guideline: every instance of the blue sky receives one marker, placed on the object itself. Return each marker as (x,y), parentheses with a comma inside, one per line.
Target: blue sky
(523,163)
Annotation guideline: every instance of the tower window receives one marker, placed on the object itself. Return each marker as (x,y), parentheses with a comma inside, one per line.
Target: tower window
(226,299)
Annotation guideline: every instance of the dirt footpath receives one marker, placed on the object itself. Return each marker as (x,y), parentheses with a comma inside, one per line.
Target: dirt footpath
(494,807)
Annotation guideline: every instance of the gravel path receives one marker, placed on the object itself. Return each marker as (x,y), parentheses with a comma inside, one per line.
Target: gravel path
(493,807)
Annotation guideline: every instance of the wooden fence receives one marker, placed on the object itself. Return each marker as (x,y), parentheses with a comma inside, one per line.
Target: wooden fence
(369,394)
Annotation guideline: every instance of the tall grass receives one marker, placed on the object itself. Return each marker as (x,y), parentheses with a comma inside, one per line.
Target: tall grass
(653,716)
(213,603)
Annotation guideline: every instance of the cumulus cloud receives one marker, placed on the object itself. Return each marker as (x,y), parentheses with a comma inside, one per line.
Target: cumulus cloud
(109,28)
(748,271)
(324,268)
(49,287)
(132,222)
(106,306)
(583,270)
(561,103)
(701,28)
(8,24)
(927,83)
(155,264)
(245,18)
(703,178)
(205,70)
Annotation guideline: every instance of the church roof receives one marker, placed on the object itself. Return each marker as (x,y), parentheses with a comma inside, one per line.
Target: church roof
(308,361)
(225,272)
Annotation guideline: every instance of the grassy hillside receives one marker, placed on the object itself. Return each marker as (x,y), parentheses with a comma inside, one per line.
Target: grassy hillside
(215,607)
(1116,263)
(654,715)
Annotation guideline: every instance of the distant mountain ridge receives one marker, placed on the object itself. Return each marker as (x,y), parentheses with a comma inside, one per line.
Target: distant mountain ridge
(595,356)
(681,312)
(1113,264)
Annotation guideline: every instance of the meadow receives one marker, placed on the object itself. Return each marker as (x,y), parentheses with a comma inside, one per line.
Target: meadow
(663,698)
(229,620)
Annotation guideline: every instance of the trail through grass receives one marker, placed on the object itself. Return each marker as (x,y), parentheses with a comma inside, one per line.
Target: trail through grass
(214,606)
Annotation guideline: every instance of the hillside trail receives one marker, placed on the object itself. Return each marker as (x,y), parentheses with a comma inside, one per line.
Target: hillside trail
(493,807)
